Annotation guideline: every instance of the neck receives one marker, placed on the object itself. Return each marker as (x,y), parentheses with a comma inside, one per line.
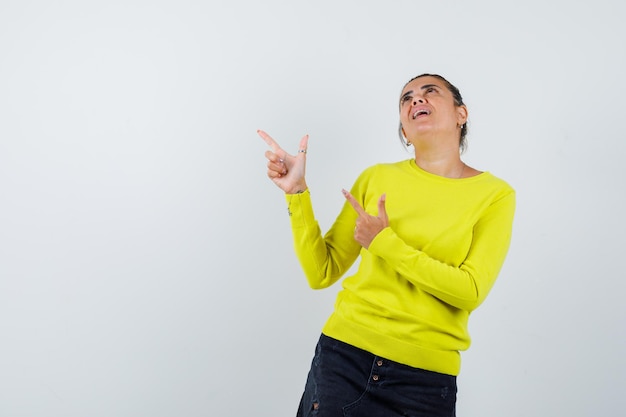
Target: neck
(443,164)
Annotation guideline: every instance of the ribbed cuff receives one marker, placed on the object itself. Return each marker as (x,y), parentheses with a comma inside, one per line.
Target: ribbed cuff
(300,208)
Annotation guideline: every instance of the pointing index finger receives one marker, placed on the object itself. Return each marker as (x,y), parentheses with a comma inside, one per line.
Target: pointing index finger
(353,202)
(268,139)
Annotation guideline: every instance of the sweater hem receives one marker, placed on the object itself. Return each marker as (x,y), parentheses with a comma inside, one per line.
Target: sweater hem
(442,361)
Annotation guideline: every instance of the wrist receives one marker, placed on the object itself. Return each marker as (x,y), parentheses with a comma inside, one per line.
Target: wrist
(297,189)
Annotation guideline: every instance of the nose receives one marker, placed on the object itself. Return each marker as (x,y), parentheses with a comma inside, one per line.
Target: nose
(418,100)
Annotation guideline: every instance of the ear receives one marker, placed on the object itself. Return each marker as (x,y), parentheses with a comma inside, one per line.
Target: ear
(461,117)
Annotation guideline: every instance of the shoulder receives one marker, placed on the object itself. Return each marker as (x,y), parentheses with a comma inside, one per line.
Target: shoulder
(495,188)
(498,183)
(380,175)
(384,168)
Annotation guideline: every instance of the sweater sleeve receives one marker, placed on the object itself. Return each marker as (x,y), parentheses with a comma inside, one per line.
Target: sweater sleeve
(467,285)
(324,259)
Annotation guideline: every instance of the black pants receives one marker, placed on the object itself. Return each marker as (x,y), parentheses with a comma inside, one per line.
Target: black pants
(345,381)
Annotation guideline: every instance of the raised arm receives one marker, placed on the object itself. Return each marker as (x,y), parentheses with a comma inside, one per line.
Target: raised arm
(324,259)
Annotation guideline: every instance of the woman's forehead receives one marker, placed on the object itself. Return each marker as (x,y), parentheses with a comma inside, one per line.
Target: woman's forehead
(421,82)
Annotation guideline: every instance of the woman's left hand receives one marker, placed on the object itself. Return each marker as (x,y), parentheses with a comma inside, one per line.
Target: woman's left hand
(368,226)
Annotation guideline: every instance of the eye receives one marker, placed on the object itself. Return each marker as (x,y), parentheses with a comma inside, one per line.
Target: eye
(431,90)
(406,99)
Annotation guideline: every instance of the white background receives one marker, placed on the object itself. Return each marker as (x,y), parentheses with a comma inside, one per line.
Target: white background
(146,266)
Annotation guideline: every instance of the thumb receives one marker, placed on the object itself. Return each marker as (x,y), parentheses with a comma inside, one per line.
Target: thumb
(304,142)
(382,210)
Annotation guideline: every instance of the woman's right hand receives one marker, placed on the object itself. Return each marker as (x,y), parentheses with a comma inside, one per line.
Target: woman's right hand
(285,170)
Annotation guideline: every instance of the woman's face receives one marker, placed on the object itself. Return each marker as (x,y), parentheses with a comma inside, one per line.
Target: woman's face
(427,107)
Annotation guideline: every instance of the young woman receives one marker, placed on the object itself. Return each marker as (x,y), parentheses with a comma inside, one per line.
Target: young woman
(432,234)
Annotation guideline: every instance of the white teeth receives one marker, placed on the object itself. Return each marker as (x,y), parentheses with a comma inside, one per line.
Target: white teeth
(419,112)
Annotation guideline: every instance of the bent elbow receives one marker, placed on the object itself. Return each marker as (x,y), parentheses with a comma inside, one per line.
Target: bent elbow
(474,298)
(320,282)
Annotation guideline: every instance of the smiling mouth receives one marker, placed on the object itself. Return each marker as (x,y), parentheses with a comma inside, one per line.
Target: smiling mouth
(420,113)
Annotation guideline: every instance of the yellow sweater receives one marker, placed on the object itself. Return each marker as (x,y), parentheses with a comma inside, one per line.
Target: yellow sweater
(415,286)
